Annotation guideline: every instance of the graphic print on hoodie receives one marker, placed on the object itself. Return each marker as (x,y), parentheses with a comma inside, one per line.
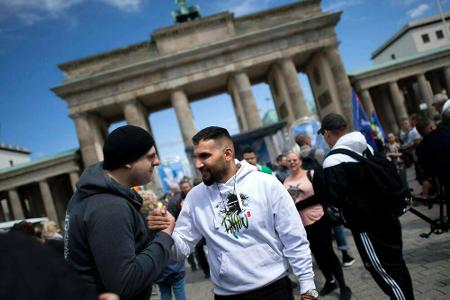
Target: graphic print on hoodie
(234,212)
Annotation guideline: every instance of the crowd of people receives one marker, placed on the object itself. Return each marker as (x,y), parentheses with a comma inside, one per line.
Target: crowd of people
(258,223)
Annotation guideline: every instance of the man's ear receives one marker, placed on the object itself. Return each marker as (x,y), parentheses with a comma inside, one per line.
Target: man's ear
(229,153)
(127,166)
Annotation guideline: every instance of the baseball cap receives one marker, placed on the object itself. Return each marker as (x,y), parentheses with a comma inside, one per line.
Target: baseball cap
(332,121)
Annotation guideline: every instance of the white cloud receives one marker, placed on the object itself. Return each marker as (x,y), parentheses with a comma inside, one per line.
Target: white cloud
(32,11)
(29,18)
(402,2)
(418,11)
(49,6)
(341,4)
(125,5)
(243,7)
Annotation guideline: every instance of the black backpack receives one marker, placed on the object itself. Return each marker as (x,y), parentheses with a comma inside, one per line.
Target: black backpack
(384,186)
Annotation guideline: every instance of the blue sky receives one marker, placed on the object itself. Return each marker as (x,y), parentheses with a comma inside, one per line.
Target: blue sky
(36,35)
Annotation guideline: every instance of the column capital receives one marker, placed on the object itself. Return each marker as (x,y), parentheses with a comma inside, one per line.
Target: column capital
(125,97)
(128,102)
(238,72)
(76,115)
(177,90)
(420,74)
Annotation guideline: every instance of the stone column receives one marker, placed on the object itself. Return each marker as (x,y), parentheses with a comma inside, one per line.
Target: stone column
(47,199)
(248,101)
(184,116)
(136,114)
(366,99)
(435,83)
(427,95)
(16,206)
(447,79)
(294,89)
(280,94)
(74,177)
(237,105)
(91,134)
(342,83)
(385,108)
(397,100)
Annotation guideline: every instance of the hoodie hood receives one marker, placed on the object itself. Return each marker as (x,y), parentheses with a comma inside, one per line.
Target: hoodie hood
(95,180)
(353,141)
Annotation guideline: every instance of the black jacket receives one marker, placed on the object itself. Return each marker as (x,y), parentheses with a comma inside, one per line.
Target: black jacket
(433,153)
(107,241)
(345,186)
(32,270)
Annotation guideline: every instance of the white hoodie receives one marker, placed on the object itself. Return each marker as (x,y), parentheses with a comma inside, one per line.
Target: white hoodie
(250,249)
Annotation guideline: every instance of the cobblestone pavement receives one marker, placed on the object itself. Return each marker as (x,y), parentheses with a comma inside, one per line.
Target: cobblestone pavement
(428,261)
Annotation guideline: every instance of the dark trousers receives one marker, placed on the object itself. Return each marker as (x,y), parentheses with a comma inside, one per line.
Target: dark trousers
(321,245)
(380,249)
(279,290)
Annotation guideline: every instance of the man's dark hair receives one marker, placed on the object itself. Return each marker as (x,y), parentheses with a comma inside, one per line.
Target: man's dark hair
(211,133)
(422,125)
(280,157)
(185,180)
(248,150)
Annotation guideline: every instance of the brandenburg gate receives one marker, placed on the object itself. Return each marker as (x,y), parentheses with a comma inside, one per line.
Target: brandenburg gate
(204,57)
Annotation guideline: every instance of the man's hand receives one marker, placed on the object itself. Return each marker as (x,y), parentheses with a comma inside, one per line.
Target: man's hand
(161,219)
(108,296)
(311,294)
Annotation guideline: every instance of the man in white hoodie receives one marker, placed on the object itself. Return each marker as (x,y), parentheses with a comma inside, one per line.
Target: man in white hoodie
(377,236)
(250,224)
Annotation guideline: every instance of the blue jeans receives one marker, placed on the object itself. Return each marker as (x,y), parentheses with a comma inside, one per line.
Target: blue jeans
(177,287)
(340,237)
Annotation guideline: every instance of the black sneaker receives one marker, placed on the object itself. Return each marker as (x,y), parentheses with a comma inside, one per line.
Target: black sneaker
(346,294)
(347,261)
(328,288)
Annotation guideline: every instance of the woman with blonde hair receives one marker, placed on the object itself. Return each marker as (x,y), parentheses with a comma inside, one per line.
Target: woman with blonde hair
(318,229)
(51,231)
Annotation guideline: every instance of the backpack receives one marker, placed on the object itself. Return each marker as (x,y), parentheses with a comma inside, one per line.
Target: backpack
(310,162)
(386,192)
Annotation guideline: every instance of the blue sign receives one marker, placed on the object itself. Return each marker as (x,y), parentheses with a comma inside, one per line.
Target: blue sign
(309,126)
(171,173)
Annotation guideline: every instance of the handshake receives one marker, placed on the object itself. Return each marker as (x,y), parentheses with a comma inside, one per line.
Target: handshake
(161,219)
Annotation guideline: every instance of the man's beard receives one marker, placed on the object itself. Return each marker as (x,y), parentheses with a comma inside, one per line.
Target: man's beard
(215,175)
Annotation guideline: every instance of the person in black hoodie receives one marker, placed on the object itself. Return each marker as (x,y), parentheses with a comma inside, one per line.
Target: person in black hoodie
(378,237)
(106,238)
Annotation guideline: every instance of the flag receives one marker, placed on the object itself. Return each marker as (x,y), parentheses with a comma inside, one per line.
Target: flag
(376,127)
(361,122)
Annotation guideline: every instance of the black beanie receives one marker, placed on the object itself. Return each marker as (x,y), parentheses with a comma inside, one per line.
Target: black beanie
(125,145)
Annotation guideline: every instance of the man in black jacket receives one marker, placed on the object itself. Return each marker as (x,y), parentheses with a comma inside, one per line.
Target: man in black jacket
(433,154)
(378,237)
(106,238)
